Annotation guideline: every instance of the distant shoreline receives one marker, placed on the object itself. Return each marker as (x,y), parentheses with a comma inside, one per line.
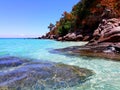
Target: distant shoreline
(18,38)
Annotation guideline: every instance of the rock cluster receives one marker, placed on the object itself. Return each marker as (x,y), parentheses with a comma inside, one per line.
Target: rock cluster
(106,39)
(48,37)
(105,42)
(108,31)
(68,37)
(71,37)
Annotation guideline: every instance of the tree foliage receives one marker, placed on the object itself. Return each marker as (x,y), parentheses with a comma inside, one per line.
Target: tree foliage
(86,15)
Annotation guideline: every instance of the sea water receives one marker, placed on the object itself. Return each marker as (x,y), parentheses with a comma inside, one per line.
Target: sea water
(107,72)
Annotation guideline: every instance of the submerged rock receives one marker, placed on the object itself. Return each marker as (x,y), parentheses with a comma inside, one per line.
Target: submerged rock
(103,50)
(10,62)
(41,75)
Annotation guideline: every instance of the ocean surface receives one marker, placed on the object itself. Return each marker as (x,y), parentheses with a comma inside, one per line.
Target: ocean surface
(107,72)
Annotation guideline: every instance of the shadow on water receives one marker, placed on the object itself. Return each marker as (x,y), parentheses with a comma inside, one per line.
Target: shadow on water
(19,73)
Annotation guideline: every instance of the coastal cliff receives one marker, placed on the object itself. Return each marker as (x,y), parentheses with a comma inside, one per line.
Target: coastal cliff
(83,20)
(95,21)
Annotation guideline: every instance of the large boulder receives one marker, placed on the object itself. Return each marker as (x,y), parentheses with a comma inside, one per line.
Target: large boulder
(60,38)
(108,31)
(70,37)
(21,74)
(79,37)
(73,37)
(52,37)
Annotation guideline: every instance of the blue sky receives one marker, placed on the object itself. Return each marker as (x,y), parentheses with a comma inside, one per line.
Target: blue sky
(30,18)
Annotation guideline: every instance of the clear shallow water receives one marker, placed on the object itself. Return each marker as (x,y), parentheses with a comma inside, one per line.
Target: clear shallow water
(107,75)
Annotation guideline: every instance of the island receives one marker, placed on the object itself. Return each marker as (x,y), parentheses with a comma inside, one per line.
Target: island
(95,21)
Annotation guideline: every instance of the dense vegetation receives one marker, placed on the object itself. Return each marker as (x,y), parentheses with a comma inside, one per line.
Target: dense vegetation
(86,16)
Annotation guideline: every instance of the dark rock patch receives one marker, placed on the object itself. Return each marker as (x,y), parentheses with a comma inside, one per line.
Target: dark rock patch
(10,62)
(102,50)
(41,75)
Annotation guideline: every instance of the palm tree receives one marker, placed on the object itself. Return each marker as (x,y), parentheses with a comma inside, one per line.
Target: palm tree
(51,26)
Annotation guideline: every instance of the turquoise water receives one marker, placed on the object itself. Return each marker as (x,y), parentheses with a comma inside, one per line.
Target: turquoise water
(107,75)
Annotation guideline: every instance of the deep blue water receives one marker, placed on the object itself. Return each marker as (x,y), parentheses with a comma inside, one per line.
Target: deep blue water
(107,75)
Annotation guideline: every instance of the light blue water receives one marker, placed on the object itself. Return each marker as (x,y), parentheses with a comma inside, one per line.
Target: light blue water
(107,75)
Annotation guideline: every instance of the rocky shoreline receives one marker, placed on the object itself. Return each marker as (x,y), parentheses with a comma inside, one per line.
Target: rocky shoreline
(108,30)
(105,42)
(73,36)
(95,21)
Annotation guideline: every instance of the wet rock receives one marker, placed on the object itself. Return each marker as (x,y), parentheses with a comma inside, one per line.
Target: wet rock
(10,62)
(114,48)
(42,75)
(108,50)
